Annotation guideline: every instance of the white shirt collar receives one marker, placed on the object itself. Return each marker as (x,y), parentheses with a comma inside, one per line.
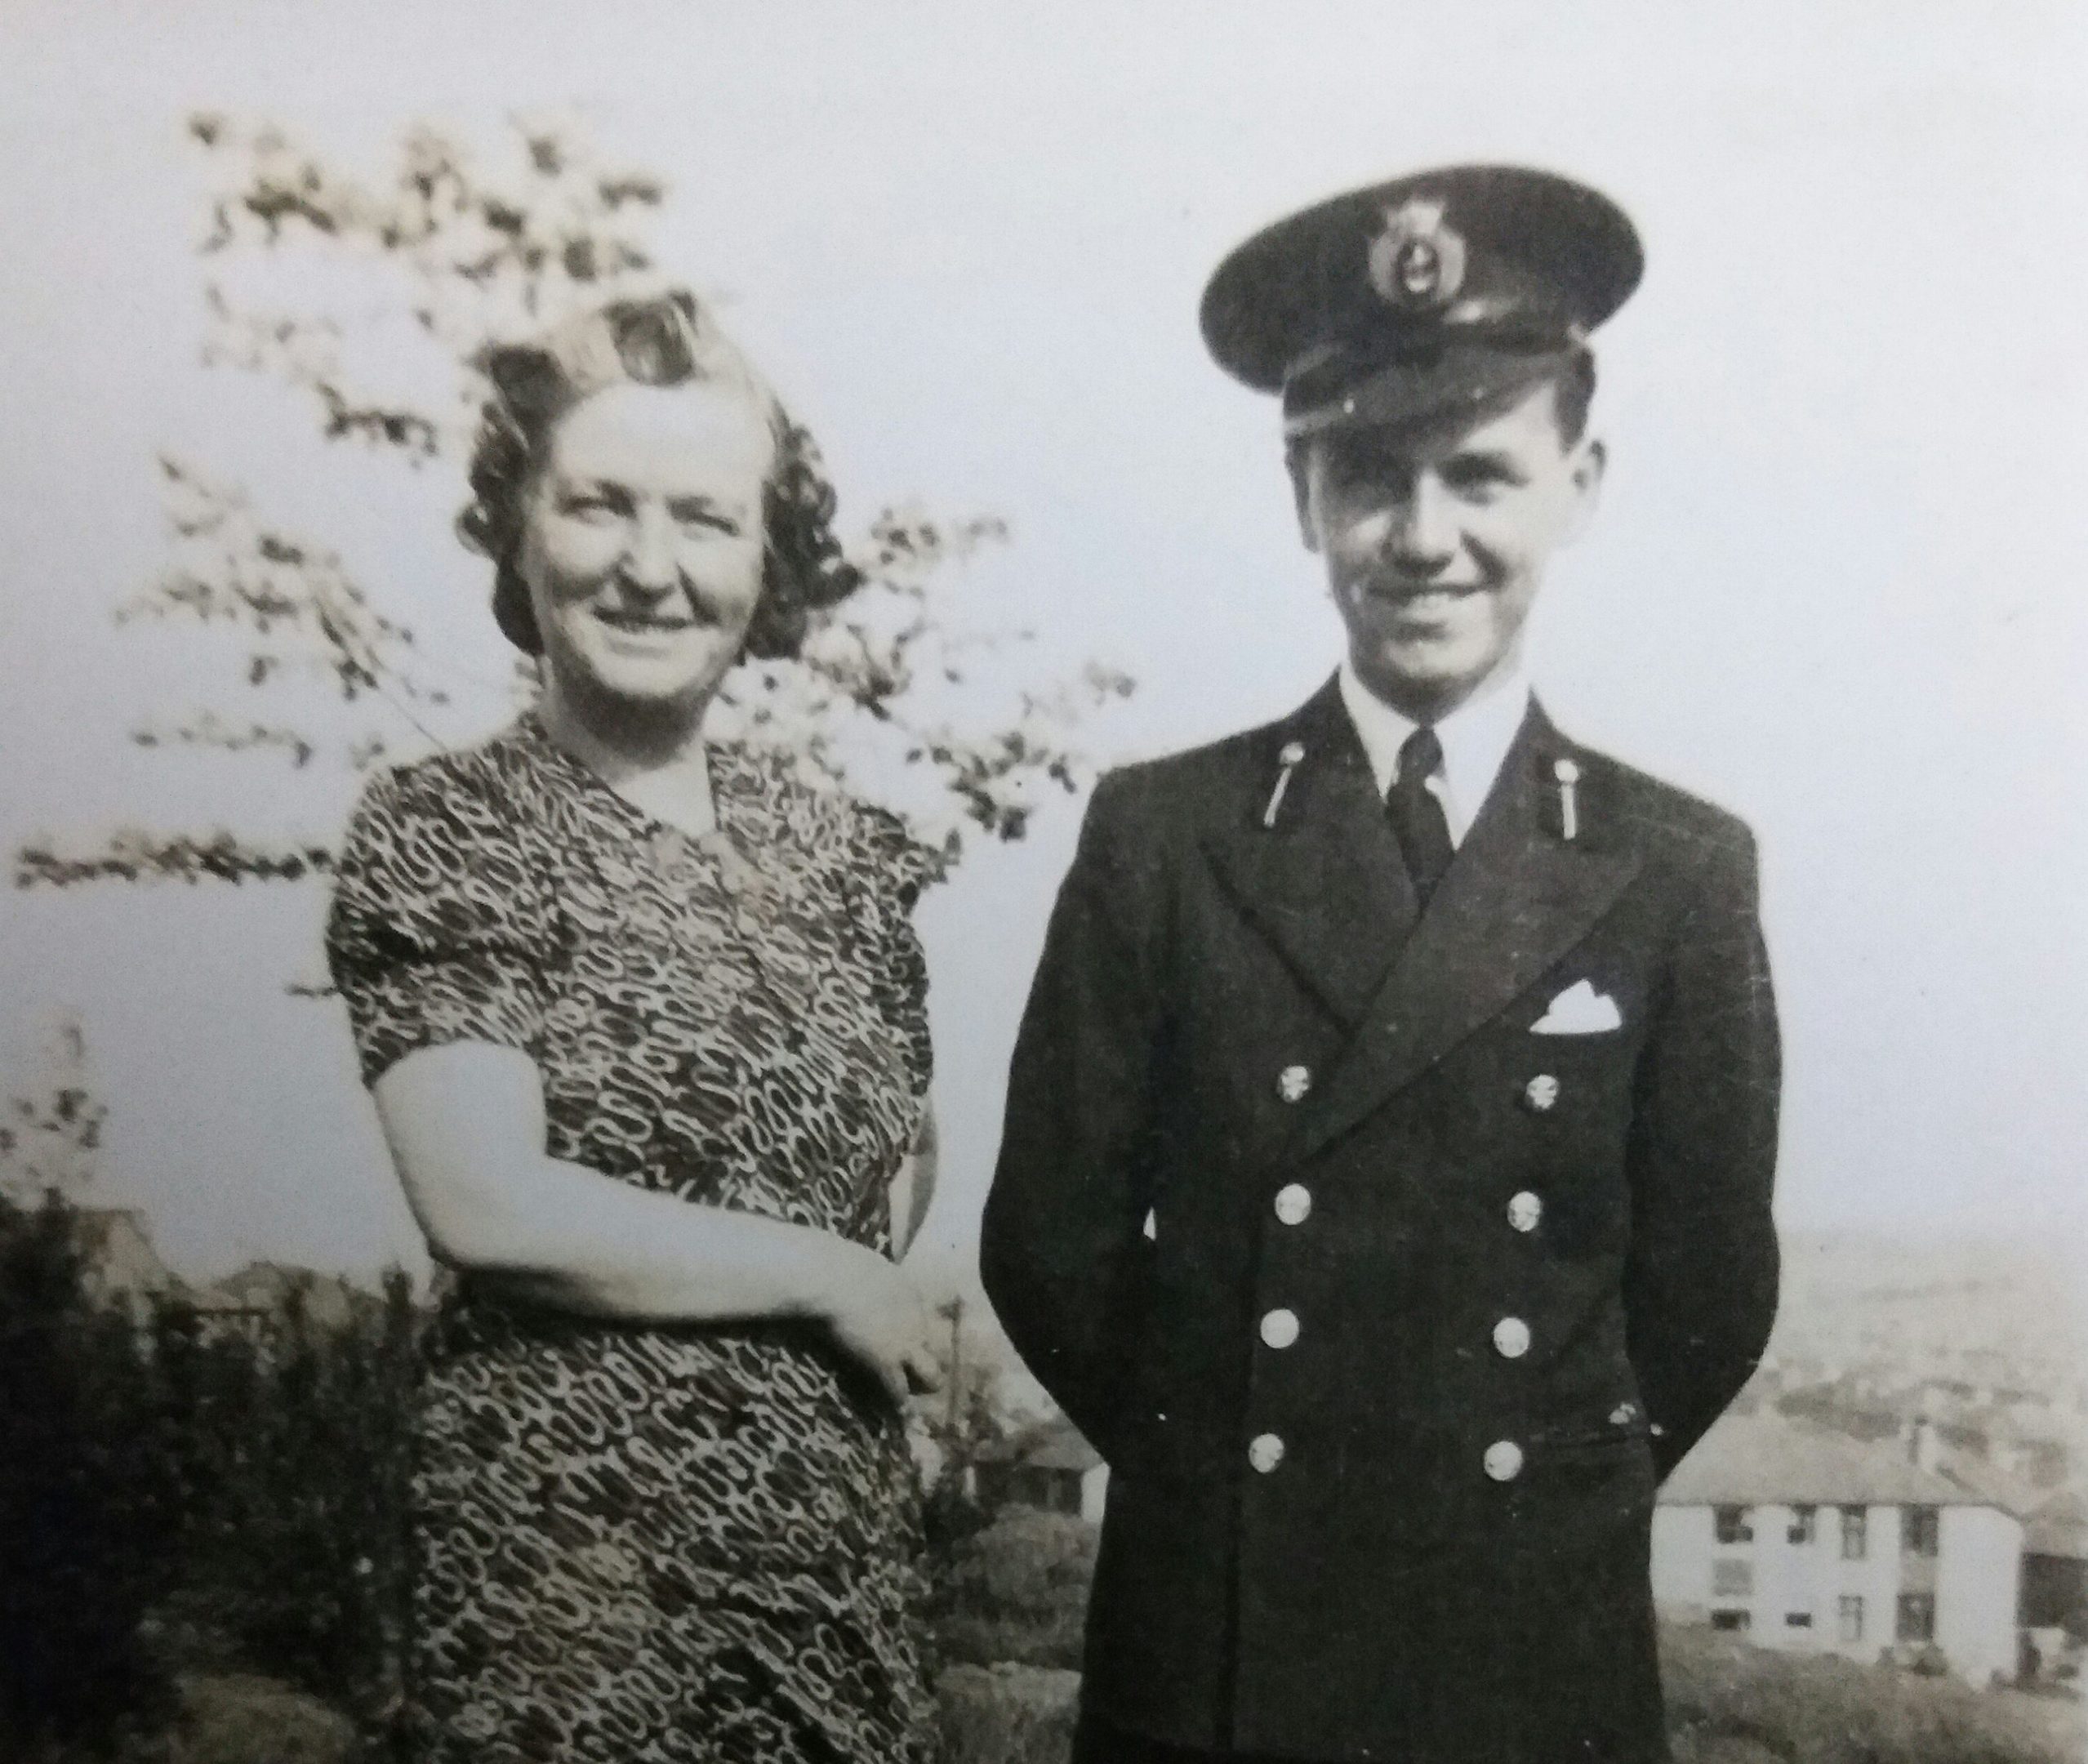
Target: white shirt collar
(1476,739)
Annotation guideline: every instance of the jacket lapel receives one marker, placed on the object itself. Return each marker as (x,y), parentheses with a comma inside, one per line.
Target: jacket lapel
(1517,898)
(1322,879)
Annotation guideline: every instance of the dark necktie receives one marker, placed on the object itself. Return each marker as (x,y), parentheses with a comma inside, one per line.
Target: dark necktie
(1416,813)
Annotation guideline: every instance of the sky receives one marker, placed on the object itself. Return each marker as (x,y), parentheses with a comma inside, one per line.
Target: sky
(1835,582)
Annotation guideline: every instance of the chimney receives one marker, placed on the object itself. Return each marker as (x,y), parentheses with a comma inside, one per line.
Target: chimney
(1924,1449)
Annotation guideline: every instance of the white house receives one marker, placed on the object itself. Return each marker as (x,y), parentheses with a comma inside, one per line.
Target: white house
(1814,1541)
(1047,1465)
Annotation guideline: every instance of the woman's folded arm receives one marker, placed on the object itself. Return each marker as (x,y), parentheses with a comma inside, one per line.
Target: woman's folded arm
(465,1123)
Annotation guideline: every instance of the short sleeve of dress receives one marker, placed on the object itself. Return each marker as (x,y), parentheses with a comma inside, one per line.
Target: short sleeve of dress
(438,928)
(892,867)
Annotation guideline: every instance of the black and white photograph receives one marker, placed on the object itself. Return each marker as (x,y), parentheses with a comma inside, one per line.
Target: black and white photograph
(952,883)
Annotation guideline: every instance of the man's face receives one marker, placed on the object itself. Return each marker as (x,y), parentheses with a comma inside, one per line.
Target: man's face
(1436,535)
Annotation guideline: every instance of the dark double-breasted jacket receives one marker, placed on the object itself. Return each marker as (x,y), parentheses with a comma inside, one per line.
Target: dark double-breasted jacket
(1387,1305)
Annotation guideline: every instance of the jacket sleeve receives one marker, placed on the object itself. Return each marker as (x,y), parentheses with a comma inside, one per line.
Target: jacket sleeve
(1700,1282)
(1061,1241)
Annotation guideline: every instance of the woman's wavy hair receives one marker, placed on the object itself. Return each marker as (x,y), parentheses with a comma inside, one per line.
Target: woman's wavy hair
(666,341)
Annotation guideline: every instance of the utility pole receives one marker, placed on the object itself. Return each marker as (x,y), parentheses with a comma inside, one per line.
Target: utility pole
(954,1310)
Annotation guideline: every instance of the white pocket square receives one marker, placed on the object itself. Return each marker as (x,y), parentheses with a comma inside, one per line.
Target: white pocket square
(1579,1010)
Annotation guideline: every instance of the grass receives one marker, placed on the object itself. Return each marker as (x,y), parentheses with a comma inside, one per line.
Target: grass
(241,1719)
(1727,1703)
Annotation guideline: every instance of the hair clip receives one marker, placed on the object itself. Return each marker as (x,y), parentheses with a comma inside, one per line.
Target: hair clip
(1293,753)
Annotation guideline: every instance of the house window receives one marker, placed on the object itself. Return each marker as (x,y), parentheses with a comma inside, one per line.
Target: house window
(1732,1580)
(1731,1620)
(1920,1530)
(1730,1524)
(1803,1525)
(1856,1526)
(1917,1617)
(1797,1619)
(1852,1617)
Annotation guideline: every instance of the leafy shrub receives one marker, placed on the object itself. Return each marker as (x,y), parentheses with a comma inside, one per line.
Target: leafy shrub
(1822,1710)
(297,1442)
(1007,1714)
(1017,1591)
(185,1491)
(86,1504)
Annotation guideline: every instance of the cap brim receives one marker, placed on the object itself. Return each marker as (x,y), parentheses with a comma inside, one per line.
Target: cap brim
(1457,379)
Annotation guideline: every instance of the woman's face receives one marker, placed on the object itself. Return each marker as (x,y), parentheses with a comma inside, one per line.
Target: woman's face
(643,541)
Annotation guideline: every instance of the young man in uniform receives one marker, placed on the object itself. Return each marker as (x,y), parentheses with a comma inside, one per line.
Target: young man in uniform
(1385,1189)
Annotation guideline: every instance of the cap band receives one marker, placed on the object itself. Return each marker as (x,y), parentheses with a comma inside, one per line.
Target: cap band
(1420,376)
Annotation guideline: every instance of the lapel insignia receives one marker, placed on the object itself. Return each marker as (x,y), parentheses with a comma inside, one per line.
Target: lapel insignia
(1311,863)
(1289,759)
(1567,774)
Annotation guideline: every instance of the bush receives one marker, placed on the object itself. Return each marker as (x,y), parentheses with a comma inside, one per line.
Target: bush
(298,1443)
(1822,1710)
(186,1490)
(1007,1714)
(1017,1591)
(87,1505)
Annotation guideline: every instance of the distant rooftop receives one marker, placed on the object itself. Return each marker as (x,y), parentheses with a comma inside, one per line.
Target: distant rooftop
(1764,1458)
(1052,1444)
(2058,1528)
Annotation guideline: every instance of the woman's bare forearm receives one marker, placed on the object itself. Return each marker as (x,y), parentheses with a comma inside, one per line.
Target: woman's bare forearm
(570,1236)
(465,1122)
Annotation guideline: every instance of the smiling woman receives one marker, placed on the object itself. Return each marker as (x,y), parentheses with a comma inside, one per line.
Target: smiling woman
(644,1018)
(641,545)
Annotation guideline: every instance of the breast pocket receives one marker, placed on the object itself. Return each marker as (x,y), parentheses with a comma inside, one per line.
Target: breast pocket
(1588,1066)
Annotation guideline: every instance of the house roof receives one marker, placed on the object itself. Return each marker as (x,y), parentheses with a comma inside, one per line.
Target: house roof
(118,1250)
(1052,1444)
(1764,1458)
(329,1300)
(2058,1528)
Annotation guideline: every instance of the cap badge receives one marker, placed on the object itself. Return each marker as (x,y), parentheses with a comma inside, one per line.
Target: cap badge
(1416,263)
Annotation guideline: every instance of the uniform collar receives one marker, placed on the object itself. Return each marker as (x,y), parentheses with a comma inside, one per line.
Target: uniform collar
(1475,736)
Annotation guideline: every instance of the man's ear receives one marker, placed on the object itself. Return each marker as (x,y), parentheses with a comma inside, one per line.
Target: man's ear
(1298,458)
(1592,460)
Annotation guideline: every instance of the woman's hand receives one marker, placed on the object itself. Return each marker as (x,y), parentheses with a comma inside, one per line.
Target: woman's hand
(877,1315)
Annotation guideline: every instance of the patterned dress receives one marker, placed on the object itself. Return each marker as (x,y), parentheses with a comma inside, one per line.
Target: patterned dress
(692,1545)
